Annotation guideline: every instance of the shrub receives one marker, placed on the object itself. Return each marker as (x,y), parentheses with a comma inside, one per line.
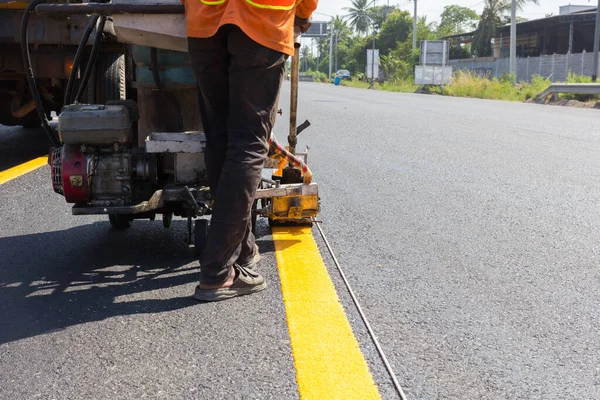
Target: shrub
(466,84)
(574,78)
(318,75)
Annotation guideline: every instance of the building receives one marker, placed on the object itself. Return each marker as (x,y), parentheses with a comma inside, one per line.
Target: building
(560,34)
(552,47)
(566,33)
(570,9)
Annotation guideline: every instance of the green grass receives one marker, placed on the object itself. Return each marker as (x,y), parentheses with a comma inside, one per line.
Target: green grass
(401,86)
(465,84)
(572,78)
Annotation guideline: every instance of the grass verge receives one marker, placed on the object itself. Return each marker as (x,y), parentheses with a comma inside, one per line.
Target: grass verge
(401,86)
(465,84)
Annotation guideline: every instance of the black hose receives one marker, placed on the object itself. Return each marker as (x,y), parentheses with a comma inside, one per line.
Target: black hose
(161,88)
(109,9)
(35,94)
(90,65)
(78,57)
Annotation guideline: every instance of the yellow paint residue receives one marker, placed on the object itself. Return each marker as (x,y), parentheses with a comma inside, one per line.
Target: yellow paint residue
(22,169)
(329,362)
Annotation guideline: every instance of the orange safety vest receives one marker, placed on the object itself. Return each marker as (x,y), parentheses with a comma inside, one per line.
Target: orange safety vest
(266,4)
(267,22)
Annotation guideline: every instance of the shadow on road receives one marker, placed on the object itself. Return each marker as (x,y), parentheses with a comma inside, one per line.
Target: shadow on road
(19,145)
(54,280)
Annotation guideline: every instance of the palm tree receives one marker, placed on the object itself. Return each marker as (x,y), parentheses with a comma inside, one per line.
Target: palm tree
(304,56)
(340,27)
(493,15)
(358,16)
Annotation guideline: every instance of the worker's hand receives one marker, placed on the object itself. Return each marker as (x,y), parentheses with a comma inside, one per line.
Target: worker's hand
(297,34)
(302,23)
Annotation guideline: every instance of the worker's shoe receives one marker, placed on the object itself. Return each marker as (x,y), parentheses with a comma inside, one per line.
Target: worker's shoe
(252,262)
(246,281)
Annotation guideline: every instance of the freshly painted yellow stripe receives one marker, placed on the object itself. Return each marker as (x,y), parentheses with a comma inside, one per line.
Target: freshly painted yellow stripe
(329,362)
(22,169)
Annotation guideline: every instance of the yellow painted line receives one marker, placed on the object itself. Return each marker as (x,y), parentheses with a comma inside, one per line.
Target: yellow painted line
(329,362)
(22,169)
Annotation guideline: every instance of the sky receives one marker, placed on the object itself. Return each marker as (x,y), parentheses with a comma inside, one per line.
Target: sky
(433,8)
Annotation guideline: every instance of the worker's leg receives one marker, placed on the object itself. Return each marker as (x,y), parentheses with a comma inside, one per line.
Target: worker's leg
(210,63)
(255,75)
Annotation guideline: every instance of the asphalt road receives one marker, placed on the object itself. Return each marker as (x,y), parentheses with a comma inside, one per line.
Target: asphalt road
(468,229)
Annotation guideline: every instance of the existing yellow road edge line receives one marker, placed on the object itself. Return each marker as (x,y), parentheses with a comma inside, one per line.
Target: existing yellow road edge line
(22,169)
(329,362)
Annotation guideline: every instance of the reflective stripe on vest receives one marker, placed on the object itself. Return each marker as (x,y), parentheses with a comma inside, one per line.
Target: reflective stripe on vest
(268,4)
(273,4)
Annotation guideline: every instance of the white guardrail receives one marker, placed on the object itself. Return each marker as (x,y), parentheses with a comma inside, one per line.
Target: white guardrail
(573,88)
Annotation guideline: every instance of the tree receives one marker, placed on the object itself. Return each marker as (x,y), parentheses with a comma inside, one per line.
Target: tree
(494,13)
(425,30)
(342,34)
(456,19)
(397,28)
(358,16)
(379,14)
(307,60)
(399,63)
(341,28)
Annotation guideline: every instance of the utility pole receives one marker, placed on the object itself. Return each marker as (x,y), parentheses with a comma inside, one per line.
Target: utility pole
(337,37)
(596,44)
(373,55)
(373,64)
(331,47)
(513,38)
(415,27)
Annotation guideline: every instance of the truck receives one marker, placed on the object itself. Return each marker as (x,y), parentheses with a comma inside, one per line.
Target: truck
(54,42)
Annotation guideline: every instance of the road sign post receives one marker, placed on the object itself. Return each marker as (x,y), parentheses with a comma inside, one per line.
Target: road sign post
(372,64)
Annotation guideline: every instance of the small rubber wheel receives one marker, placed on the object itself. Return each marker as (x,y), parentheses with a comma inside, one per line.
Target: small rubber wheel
(167,218)
(31,124)
(119,222)
(200,235)
(254,215)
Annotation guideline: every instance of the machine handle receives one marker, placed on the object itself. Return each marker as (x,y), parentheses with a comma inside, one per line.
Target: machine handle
(292,138)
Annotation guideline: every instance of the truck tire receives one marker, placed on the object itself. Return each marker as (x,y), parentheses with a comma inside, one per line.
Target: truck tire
(110,77)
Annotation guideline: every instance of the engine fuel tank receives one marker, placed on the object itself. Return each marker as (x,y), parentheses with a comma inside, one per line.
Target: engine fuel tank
(94,124)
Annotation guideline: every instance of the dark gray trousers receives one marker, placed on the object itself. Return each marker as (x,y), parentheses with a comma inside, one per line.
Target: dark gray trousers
(239,82)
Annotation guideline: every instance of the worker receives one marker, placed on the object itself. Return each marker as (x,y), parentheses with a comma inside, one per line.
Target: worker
(238,50)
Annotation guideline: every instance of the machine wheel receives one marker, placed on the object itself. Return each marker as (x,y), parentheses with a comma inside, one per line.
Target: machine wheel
(32,124)
(257,203)
(119,222)
(167,219)
(200,235)
(254,215)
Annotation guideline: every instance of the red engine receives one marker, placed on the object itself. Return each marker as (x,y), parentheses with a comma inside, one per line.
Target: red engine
(70,173)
